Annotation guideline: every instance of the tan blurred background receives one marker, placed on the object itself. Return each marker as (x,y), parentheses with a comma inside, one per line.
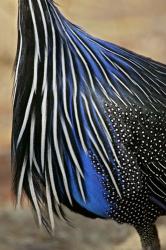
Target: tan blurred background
(139,25)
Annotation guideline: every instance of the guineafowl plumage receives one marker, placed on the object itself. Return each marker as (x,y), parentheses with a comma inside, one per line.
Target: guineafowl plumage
(89,125)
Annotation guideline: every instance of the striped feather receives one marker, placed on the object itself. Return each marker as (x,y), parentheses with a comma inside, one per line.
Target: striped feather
(63,79)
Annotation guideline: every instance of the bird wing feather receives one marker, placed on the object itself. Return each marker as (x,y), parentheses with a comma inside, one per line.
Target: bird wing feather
(67,84)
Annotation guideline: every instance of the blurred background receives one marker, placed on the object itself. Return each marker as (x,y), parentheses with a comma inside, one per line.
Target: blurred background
(138,25)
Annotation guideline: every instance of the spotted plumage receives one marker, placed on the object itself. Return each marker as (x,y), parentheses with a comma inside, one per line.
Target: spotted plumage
(89,124)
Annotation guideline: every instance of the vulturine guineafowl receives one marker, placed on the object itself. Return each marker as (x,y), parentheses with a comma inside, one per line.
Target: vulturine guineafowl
(89,125)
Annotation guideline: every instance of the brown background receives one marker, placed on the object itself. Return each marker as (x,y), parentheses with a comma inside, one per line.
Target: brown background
(138,25)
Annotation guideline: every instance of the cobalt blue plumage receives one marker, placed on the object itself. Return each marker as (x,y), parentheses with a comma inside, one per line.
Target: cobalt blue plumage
(89,124)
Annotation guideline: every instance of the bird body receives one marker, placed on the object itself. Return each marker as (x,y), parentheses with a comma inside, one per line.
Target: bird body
(89,124)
